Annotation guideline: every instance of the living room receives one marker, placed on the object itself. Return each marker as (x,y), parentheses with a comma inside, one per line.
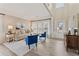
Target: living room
(23,24)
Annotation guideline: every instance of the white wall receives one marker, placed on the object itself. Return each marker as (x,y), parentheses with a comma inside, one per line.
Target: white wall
(64,14)
(2,36)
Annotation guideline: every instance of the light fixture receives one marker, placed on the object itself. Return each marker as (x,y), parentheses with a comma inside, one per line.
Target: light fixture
(10,27)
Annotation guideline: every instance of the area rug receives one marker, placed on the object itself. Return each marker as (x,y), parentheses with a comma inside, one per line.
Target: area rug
(41,40)
(18,47)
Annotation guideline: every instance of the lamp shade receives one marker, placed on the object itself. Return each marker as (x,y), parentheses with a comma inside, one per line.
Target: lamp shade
(10,27)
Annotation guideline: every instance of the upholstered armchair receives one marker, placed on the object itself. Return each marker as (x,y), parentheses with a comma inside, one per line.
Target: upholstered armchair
(33,39)
(43,35)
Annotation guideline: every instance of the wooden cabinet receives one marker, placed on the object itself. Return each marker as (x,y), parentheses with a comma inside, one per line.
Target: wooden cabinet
(72,42)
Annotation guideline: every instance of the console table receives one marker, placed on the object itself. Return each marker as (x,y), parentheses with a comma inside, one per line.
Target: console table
(72,42)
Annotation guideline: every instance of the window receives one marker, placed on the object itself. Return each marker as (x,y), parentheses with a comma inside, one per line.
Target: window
(59,5)
(60,26)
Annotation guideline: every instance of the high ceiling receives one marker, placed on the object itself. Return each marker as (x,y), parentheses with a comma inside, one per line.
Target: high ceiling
(24,10)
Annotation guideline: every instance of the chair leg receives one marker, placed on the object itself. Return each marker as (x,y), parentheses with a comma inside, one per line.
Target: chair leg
(29,46)
(36,44)
(45,38)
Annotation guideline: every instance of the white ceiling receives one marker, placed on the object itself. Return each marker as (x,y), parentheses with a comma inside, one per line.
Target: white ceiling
(24,10)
